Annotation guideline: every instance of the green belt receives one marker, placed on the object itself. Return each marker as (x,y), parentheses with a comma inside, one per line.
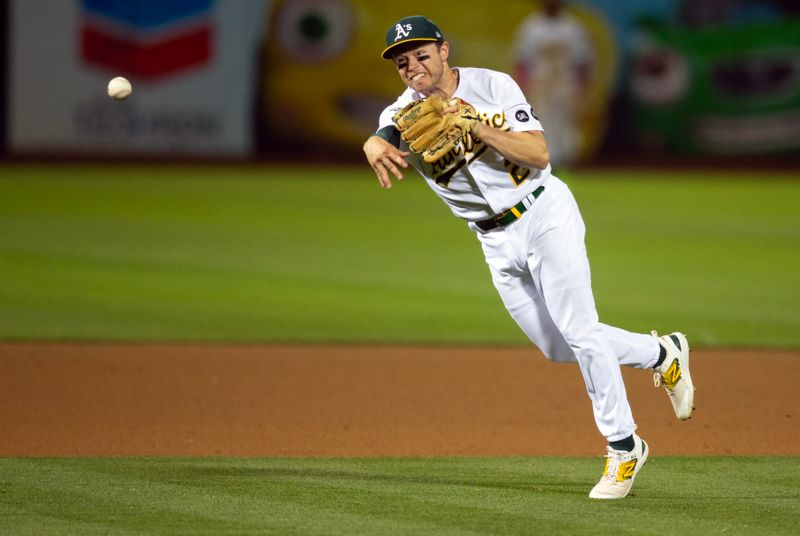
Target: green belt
(507,217)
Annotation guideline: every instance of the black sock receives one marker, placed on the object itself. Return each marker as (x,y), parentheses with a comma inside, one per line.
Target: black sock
(662,354)
(626,444)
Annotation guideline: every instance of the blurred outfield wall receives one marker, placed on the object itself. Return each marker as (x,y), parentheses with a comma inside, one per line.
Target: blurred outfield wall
(243,77)
(191,62)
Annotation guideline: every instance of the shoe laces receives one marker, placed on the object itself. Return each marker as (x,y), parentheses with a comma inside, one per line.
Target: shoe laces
(612,464)
(657,375)
(657,382)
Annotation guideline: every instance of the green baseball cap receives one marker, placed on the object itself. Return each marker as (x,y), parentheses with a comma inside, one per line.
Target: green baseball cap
(408,29)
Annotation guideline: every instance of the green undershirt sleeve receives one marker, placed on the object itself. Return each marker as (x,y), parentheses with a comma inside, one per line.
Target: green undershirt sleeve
(390,134)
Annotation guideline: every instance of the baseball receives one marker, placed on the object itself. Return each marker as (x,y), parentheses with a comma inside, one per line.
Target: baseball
(119,88)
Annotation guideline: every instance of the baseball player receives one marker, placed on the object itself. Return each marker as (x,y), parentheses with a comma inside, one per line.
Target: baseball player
(498,178)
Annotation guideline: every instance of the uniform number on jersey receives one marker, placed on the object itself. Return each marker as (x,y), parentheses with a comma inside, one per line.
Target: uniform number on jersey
(517,173)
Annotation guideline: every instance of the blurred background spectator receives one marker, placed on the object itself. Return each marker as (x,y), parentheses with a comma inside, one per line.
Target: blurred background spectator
(553,62)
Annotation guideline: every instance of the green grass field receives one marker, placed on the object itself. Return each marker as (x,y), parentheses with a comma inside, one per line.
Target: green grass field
(306,254)
(688,496)
(227,253)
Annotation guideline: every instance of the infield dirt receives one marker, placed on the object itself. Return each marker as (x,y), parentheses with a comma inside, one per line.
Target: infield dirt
(207,400)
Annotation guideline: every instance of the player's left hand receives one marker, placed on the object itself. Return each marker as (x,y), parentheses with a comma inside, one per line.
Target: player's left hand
(385,158)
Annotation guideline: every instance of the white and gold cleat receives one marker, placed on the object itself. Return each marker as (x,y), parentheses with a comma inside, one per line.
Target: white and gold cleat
(674,374)
(621,470)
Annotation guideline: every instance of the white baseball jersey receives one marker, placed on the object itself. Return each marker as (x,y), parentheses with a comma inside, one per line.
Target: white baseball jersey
(475,181)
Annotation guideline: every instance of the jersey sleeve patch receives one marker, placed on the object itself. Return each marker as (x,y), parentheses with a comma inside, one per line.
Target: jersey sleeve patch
(522,117)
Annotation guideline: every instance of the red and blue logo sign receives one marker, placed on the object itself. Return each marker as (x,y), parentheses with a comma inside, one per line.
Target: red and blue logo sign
(147,39)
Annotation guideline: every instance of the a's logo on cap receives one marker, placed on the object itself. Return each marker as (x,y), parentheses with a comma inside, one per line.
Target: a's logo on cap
(402,32)
(522,116)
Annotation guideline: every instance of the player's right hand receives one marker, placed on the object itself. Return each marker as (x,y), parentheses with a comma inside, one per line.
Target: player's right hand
(384,158)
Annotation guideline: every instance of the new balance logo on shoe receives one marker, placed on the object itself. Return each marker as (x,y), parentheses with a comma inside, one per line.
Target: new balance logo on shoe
(627,470)
(672,375)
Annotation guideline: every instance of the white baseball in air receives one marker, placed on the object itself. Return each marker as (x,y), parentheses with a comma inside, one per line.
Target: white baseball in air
(119,88)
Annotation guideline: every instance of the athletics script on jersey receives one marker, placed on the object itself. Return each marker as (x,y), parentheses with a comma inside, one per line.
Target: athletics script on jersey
(470,149)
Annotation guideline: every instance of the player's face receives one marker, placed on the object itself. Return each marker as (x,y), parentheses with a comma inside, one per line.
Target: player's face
(422,66)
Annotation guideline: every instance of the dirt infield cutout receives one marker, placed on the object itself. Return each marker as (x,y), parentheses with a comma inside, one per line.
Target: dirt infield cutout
(200,400)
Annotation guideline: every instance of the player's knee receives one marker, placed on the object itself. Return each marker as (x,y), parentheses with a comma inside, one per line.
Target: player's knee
(578,338)
(555,348)
(558,353)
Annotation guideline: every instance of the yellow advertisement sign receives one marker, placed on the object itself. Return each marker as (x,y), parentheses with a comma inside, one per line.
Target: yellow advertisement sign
(324,81)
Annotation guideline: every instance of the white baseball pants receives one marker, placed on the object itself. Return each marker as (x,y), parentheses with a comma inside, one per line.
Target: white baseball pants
(540,268)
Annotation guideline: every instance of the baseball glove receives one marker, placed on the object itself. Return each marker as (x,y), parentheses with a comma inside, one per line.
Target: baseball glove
(433,126)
